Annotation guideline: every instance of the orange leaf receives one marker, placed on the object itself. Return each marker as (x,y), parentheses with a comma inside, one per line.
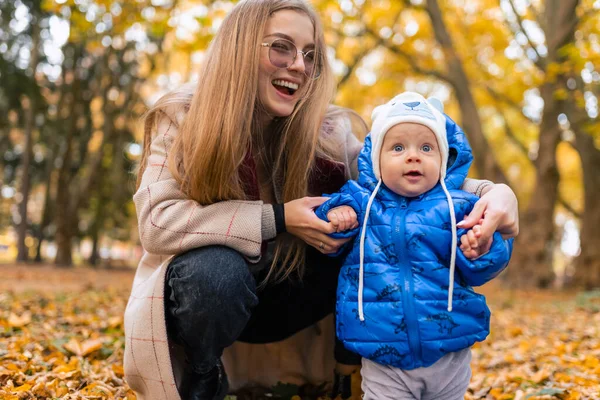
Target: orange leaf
(118,370)
(73,346)
(89,346)
(540,376)
(15,321)
(114,322)
(23,388)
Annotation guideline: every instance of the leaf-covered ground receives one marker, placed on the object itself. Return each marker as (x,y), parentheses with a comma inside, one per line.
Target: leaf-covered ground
(61,336)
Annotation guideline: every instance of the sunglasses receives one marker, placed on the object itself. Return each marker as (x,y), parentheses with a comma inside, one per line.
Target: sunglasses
(283,53)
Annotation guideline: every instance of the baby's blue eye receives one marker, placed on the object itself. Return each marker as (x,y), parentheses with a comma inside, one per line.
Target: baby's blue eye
(398,147)
(426,148)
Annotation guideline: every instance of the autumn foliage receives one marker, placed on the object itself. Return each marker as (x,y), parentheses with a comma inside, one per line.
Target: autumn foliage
(57,344)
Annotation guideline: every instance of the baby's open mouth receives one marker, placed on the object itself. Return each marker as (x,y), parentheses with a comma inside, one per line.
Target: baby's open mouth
(285,87)
(413,173)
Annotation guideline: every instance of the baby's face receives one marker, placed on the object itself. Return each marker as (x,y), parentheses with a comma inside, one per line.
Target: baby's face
(410,159)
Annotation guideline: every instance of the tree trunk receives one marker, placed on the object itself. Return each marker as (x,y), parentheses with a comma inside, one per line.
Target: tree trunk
(63,217)
(47,212)
(587,264)
(532,257)
(22,249)
(485,162)
(64,220)
(94,256)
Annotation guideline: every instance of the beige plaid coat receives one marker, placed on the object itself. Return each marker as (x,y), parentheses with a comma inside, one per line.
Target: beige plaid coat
(169,224)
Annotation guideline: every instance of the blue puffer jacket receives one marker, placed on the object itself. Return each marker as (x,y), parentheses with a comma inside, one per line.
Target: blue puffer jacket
(406,269)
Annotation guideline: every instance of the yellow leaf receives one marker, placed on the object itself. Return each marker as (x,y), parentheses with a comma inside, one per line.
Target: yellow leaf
(89,346)
(73,346)
(515,331)
(23,388)
(573,395)
(561,94)
(15,321)
(591,362)
(73,365)
(12,367)
(118,370)
(95,388)
(540,376)
(497,394)
(114,322)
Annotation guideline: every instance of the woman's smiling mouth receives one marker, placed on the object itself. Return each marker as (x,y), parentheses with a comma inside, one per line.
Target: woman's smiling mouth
(285,87)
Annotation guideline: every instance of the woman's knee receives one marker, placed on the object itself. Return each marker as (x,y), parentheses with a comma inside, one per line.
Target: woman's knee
(211,271)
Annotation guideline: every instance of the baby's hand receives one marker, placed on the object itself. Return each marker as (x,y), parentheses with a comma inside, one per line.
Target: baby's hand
(470,246)
(343,218)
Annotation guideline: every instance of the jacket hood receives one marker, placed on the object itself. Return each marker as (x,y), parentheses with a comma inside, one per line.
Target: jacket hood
(460,158)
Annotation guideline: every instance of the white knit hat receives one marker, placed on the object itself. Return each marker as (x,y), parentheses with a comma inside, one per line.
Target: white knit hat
(408,107)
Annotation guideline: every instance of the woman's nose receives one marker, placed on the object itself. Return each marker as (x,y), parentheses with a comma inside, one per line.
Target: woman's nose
(298,64)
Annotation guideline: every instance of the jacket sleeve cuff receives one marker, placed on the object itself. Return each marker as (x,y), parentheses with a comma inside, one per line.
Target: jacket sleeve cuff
(476,186)
(268,229)
(279,212)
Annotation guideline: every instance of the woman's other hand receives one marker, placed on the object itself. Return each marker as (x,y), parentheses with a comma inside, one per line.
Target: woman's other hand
(499,210)
(302,222)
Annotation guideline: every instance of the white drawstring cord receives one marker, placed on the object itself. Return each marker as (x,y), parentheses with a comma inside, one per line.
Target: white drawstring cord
(454,242)
(361,314)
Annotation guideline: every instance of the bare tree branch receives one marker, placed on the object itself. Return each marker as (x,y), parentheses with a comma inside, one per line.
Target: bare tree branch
(540,61)
(567,25)
(408,58)
(359,57)
(501,97)
(568,207)
(511,135)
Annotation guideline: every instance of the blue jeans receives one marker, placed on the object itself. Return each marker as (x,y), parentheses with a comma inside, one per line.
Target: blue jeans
(211,300)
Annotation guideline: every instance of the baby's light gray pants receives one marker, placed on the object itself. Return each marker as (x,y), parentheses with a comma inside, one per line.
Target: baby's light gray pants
(447,379)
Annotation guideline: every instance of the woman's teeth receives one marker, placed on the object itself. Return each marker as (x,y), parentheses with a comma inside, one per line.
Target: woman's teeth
(286,84)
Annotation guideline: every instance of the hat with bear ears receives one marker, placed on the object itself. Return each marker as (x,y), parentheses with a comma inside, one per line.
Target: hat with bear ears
(408,107)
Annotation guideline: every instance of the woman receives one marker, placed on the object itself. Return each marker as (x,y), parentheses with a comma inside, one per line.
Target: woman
(225,186)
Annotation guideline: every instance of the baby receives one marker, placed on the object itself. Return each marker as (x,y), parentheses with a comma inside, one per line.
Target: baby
(400,303)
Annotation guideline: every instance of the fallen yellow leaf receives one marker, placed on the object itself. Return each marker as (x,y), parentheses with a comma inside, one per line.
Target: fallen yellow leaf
(118,370)
(15,321)
(73,346)
(591,362)
(23,388)
(114,322)
(540,376)
(89,346)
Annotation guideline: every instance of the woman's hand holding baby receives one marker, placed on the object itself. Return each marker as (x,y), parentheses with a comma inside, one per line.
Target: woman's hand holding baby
(301,221)
(497,210)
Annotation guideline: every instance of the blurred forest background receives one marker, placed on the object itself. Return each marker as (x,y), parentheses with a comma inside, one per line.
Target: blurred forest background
(520,76)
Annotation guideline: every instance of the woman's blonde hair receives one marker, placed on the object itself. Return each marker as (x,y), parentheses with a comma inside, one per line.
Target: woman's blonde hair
(220,126)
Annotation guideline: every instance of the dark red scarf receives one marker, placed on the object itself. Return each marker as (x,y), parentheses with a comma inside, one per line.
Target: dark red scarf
(325,178)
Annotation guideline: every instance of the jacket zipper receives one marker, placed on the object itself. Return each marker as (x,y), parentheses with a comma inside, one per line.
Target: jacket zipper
(408,303)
